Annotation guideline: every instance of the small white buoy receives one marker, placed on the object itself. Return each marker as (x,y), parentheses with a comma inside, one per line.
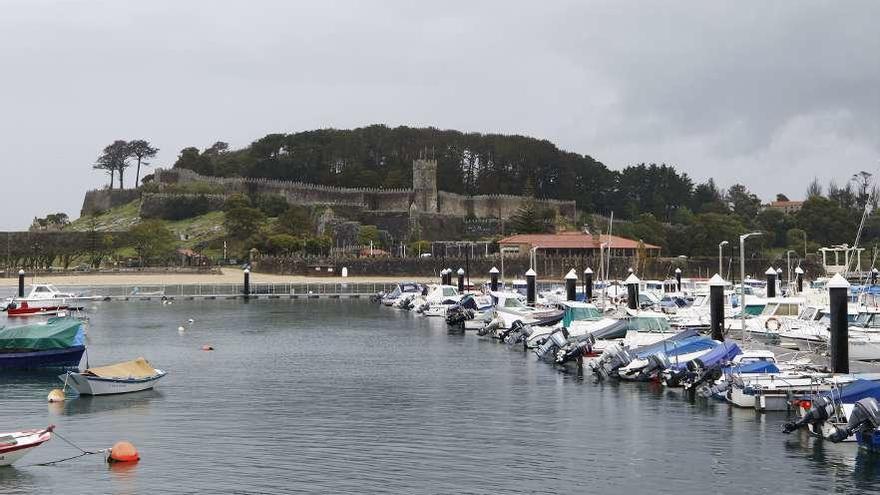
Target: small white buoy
(56,395)
(180,329)
(190,321)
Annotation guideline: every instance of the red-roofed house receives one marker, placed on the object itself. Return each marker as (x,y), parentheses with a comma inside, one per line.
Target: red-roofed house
(789,207)
(573,244)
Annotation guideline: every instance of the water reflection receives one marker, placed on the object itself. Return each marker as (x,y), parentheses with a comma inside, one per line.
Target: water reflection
(134,403)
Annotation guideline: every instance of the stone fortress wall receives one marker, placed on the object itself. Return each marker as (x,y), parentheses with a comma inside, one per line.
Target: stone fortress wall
(423,197)
(436,215)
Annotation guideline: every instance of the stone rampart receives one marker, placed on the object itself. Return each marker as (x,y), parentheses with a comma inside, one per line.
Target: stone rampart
(101,200)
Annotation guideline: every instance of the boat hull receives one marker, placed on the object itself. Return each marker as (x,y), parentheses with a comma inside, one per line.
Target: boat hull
(37,310)
(90,385)
(26,441)
(53,358)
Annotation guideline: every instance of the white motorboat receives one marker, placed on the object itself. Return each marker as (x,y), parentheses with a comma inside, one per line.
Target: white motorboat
(579,318)
(778,312)
(47,295)
(120,378)
(15,445)
(509,308)
(438,300)
(400,291)
(810,333)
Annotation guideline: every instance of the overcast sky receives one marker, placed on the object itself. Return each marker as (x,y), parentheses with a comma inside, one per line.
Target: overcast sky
(770,94)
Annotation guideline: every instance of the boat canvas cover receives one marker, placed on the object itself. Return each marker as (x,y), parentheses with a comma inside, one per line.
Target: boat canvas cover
(754,367)
(138,368)
(682,336)
(57,333)
(855,391)
(718,354)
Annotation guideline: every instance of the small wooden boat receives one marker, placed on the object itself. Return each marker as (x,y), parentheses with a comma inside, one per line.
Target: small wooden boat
(13,446)
(120,378)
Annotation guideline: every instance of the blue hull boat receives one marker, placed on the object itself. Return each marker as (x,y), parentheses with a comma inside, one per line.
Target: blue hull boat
(57,343)
(51,358)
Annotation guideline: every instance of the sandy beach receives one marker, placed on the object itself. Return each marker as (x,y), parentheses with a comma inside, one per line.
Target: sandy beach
(228,276)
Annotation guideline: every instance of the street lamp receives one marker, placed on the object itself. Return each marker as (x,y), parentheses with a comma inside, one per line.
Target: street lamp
(788,264)
(742,279)
(720,257)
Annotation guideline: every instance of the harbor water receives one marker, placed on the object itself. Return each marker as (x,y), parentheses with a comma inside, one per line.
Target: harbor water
(345,396)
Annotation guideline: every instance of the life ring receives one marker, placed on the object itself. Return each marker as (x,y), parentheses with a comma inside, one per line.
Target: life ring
(776,325)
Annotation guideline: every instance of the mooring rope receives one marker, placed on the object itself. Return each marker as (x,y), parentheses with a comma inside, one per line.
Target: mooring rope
(82,453)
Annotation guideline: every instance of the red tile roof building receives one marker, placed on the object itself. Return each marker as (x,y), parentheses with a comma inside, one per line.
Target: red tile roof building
(789,207)
(574,244)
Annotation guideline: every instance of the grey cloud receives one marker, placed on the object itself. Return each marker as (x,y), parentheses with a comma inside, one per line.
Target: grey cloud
(769,94)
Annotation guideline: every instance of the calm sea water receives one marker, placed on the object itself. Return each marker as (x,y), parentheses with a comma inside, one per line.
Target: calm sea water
(344,396)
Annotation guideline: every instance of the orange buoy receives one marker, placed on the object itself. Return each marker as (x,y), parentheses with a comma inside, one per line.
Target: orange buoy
(123,452)
(207,347)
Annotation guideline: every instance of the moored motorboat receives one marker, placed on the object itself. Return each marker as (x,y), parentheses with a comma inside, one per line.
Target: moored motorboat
(23,308)
(57,343)
(120,378)
(15,445)
(48,296)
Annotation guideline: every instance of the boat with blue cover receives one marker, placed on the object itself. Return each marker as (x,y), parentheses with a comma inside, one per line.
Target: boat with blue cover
(56,343)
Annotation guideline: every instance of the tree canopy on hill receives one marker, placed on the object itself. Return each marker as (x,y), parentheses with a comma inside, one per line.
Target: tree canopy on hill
(380,156)
(657,203)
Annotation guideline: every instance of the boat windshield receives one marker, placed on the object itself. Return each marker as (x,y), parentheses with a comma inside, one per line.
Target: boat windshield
(868,320)
(512,302)
(807,314)
(579,314)
(449,291)
(754,309)
(410,288)
(757,359)
(786,309)
(649,324)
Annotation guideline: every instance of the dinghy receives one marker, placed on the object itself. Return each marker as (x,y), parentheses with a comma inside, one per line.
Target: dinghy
(120,378)
(14,446)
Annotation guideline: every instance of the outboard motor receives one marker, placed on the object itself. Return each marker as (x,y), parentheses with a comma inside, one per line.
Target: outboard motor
(823,408)
(490,327)
(656,364)
(710,390)
(694,374)
(518,334)
(502,334)
(865,418)
(377,297)
(457,315)
(556,340)
(614,358)
(573,351)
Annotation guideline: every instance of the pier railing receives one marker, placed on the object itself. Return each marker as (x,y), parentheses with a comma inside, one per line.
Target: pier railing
(219,291)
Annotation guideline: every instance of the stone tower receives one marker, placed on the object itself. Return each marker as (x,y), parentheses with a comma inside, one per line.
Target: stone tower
(425,185)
